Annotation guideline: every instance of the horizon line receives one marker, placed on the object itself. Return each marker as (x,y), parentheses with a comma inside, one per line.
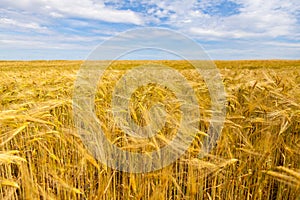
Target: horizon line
(78,60)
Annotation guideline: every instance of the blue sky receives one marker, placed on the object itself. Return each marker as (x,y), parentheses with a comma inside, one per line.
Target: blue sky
(71,29)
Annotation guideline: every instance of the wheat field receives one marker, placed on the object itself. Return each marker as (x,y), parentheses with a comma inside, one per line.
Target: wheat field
(256,157)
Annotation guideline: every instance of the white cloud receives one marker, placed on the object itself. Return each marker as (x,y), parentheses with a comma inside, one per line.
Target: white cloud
(71,23)
(89,9)
(54,41)
(254,50)
(74,8)
(263,18)
(283,44)
(7,22)
(251,19)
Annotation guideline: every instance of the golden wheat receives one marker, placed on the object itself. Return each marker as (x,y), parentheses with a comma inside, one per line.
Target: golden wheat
(257,156)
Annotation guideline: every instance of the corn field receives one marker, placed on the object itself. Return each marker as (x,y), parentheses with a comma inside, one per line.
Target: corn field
(256,157)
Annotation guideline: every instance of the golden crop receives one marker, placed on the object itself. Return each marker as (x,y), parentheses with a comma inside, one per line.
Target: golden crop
(257,156)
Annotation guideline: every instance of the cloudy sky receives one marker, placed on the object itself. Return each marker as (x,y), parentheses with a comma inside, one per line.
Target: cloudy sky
(226,29)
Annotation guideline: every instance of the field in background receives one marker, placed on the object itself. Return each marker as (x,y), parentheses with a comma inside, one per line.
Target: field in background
(257,157)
